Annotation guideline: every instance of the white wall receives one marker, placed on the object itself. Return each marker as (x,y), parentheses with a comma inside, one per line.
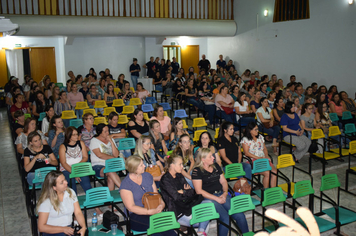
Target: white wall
(320,49)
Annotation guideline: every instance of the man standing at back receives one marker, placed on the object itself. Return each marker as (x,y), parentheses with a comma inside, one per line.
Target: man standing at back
(150,66)
(204,64)
(220,62)
(135,72)
(175,67)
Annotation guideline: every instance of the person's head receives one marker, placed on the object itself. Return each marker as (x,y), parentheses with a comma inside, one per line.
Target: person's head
(49,112)
(289,107)
(263,87)
(320,97)
(126,86)
(88,119)
(33,84)
(203,86)
(163,61)
(251,131)
(274,78)
(74,88)
(79,79)
(40,96)
(139,86)
(241,98)
(234,89)
(102,74)
(137,115)
(270,84)
(143,144)
(184,142)
(30,125)
(251,89)
(54,183)
(322,89)
(134,61)
(221,57)
(279,103)
(322,109)
(343,95)
(102,131)
(121,78)
(271,95)
(178,82)
(174,163)
(308,91)
(102,83)
(292,78)
(71,135)
(204,158)
(336,99)
(113,118)
(286,93)
(314,87)
(332,89)
(84,85)
(299,89)
(205,140)
(224,90)
(264,102)
(134,165)
(63,95)
(257,95)
(308,99)
(56,90)
(93,89)
(155,127)
(110,89)
(307,108)
(226,128)
(18,98)
(158,111)
(158,74)
(173,59)
(56,122)
(276,87)
(177,125)
(203,56)
(19,116)
(296,101)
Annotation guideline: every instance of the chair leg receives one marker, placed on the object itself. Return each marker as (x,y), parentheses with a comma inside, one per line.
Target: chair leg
(347,181)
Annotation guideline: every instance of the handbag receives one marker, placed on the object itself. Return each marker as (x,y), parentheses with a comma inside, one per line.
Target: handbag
(267,124)
(242,186)
(228,110)
(110,218)
(154,170)
(151,200)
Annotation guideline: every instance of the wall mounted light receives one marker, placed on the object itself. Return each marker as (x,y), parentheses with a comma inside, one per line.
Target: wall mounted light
(265,13)
(351,2)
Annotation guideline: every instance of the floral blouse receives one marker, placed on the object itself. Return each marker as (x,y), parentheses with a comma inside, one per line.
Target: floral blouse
(255,147)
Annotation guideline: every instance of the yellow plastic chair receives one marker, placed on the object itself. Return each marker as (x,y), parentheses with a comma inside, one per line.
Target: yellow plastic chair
(91,111)
(199,122)
(132,89)
(113,81)
(123,120)
(185,126)
(335,131)
(165,113)
(351,169)
(117,90)
(135,102)
(128,110)
(108,110)
(145,116)
(118,103)
(81,106)
(197,134)
(99,120)
(216,136)
(100,104)
(68,115)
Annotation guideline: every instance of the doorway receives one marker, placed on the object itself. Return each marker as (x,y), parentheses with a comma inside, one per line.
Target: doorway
(190,58)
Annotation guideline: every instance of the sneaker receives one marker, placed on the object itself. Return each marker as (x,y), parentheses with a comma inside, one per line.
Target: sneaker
(202,234)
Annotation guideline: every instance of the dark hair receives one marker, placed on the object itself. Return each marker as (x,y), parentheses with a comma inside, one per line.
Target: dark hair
(320,87)
(176,120)
(331,88)
(53,121)
(239,97)
(139,83)
(112,115)
(178,150)
(201,86)
(338,103)
(47,108)
(107,89)
(27,122)
(78,77)
(222,87)
(275,104)
(233,88)
(250,87)
(92,86)
(250,126)
(171,159)
(224,126)
(211,143)
(156,110)
(60,94)
(262,100)
(275,86)
(136,111)
(18,113)
(320,110)
(15,97)
(305,106)
(99,129)
(68,134)
(85,116)
(313,84)
(288,107)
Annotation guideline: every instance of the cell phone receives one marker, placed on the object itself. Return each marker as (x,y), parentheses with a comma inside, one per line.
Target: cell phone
(104,230)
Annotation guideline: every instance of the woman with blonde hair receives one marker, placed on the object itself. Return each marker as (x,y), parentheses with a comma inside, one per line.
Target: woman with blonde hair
(56,206)
(209,181)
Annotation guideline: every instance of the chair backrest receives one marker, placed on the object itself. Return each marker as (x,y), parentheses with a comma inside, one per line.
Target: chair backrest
(352,147)
(161,222)
(180,113)
(145,116)
(97,197)
(273,196)
(132,89)
(241,203)
(100,104)
(329,181)
(108,110)
(27,115)
(81,169)
(42,115)
(350,128)
(334,131)
(147,107)
(317,134)
(165,113)
(128,110)
(60,85)
(216,136)
(135,101)
(150,100)
(261,165)
(123,119)
(69,114)
(81,105)
(117,90)
(285,160)
(114,165)
(233,170)
(118,103)
(346,115)
(99,120)
(169,152)
(197,134)
(40,174)
(333,117)
(185,126)
(91,111)
(166,106)
(203,212)
(303,188)
(199,122)
(127,143)
(76,123)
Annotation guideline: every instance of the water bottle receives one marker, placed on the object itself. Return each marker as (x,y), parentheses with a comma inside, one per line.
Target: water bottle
(94,222)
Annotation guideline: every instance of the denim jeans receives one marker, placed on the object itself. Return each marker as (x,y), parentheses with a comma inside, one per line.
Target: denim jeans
(30,177)
(79,113)
(230,118)
(248,171)
(85,182)
(57,234)
(134,81)
(273,131)
(223,210)
(211,112)
(126,153)
(196,103)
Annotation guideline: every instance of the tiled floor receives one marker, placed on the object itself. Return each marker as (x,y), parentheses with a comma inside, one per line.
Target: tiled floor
(13,215)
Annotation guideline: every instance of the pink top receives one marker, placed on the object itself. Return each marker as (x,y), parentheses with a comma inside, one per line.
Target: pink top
(164,123)
(228,99)
(143,94)
(338,109)
(74,98)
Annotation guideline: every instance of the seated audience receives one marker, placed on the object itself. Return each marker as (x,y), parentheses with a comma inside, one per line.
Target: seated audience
(56,134)
(255,104)
(88,130)
(234,92)
(74,97)
(337,105)
(224,105)
(209,101)
(141,92)
(62,104)
(45,122)
(278,109)
(110,95)
(126,94)
(93,96)
(165,121)
(39,105)
(184,150)
(19,123)
(244,114)
(137,125)
(176,131)
(307,119)
(191,95)
(19,104)
(205,141)
(117,132)
(271,97)
(350,104)
(158,143)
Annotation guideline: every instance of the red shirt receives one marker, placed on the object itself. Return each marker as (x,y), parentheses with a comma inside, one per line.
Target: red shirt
(23,108)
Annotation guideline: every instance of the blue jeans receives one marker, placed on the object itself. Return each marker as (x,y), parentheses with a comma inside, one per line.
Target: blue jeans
(85,182)
(223,210)
(211,111)
(273,131)
(230,118)
(66,122)
(248,171)
(196,103)
(30,177)
(134,81)
(246,120)
(57,234)
(79,113)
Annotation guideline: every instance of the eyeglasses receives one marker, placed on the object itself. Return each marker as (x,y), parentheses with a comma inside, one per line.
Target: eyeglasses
(147,143)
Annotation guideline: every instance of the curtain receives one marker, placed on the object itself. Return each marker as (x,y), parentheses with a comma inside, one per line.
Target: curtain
(14,61)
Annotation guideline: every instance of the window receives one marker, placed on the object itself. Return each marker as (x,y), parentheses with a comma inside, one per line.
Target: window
(285,10)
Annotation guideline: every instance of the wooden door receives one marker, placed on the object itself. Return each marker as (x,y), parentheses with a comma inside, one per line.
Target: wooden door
(190,57)
(43,62)
(3,68)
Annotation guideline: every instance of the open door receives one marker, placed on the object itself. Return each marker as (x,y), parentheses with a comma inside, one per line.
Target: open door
(190,57)
(43,62)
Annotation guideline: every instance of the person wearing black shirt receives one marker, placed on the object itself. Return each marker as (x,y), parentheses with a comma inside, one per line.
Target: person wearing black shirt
(221,62)
(204,64)
(84,90)
(229,148)
(175,67)
(209,181)
(151,67)
(117,132)
(157,81)
(162,68)
(135,72)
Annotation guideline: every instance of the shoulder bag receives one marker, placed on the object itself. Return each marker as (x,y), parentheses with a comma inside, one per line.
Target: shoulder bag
(151,200)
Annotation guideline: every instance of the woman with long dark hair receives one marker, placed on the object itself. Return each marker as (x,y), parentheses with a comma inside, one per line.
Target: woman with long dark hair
(138,125)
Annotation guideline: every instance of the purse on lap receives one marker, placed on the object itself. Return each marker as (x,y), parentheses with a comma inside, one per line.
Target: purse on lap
(151,200)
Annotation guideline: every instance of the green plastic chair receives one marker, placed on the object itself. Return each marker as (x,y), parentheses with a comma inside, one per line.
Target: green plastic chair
(60,85)
(304,188)
(169,152)
(333,117)
(340,214)
(162,222)
(114,165)
(126,144)
(76,123)
(40,175)
(240,204)
(346,115)
(259,166)
(27,116)
(203,212)
(42,115)
(233,170)
(350,169)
